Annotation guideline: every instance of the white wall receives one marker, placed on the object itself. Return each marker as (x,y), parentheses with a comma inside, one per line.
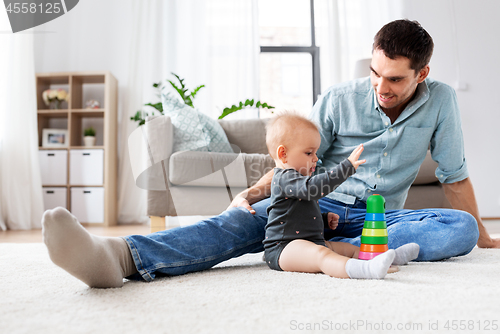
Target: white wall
(471,57)
(94,36)
(91,37)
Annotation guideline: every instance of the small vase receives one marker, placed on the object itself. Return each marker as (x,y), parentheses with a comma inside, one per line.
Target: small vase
(89,140)
(55,104)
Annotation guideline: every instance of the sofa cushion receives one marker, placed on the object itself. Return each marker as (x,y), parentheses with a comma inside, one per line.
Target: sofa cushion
(208,169)
(248,134)
(193,130)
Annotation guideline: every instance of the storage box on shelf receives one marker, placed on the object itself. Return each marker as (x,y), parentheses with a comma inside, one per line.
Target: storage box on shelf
(54,166)
(86,167)
(87,203)
(54,197)
(80,178)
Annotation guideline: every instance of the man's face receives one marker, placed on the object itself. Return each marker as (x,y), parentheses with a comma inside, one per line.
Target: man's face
(394,81)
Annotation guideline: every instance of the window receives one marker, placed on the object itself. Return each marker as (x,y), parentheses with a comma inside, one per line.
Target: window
(289,58)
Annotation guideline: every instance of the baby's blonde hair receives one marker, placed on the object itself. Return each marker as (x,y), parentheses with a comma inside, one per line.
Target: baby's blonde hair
(282,129)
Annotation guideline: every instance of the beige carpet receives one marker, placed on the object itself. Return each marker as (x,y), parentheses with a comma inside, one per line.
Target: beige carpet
(244,296)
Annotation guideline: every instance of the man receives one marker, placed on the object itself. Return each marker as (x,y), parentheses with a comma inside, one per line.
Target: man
(396,113)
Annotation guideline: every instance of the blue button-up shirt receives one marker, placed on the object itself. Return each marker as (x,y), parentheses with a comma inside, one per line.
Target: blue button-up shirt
(349,114)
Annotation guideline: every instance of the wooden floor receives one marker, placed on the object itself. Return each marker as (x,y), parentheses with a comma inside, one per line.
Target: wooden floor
(36,235)
(493,227)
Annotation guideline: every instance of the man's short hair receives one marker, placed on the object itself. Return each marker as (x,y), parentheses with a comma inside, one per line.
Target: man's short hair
(407,39)
(281,128)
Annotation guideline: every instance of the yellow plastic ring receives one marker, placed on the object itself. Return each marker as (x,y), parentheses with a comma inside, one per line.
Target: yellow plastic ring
(371,232)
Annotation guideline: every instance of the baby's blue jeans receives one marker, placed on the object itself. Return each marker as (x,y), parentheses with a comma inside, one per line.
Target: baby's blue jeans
(441,234)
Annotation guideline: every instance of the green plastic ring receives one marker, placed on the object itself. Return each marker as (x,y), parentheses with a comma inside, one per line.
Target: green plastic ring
(375,224)
(374,240)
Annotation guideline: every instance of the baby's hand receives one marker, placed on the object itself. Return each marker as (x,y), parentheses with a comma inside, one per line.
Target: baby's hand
(333,220)
(353,158)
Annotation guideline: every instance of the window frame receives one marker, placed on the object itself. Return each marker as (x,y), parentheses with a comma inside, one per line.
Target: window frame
(313,50)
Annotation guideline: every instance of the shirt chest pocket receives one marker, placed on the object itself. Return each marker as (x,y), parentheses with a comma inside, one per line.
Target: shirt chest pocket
(414,143)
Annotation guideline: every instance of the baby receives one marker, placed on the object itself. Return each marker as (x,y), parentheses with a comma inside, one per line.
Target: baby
(294,233)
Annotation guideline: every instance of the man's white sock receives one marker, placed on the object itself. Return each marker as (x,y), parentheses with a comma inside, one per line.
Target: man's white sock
(375,268)
(99,262)
(406,253)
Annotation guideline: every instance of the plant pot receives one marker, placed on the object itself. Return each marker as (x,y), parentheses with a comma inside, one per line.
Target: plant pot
(89,140)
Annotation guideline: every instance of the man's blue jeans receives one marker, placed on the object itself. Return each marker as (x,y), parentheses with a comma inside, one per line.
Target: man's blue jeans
(441,234)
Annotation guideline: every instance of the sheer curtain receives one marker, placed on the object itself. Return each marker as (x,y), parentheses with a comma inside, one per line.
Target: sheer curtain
(210,42)
(345,31)
(21,201)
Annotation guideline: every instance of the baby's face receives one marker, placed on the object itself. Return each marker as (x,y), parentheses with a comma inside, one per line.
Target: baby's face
(301,155)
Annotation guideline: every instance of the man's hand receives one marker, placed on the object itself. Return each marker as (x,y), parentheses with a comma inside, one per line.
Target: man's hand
(259,191)
(333,220)
(353,158)
(488,243)
(241,201)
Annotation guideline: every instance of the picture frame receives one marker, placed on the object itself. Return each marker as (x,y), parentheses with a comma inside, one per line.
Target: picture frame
(55,138)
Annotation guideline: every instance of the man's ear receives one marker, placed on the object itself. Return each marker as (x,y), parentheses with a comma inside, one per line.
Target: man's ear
(281,153)
(423,73)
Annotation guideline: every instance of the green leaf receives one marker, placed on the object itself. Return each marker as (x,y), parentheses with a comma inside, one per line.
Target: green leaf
(178,79)
(188,101)
(179,87)
(179,90)
(228,111)
(264,105)
(195,91)
(241,105)
(183,91)
(138,117)
(158,106)
(90,131)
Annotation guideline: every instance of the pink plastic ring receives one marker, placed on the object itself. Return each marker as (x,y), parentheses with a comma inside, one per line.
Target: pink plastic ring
(367,255)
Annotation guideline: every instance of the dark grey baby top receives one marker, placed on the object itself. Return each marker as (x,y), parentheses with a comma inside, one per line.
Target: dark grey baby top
(294,212)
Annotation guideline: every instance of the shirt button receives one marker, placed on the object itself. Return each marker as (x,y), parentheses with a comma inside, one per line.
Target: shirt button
(369,191)
(385,154)
(378,176)
(386,123)
(391,129)
(441,175)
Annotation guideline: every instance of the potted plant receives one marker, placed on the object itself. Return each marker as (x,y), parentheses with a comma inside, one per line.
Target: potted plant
(89,136)
(188,97)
